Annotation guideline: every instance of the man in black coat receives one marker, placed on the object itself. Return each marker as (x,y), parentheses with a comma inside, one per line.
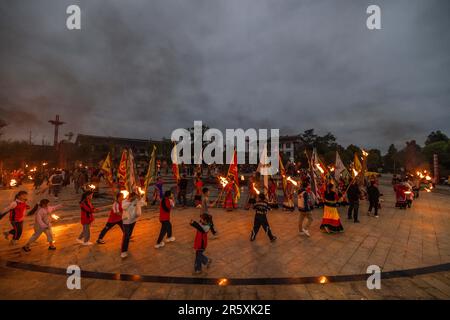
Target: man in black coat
(374,197)
(353,195)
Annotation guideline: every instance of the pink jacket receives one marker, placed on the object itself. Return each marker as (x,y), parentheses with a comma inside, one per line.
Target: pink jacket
(42,218)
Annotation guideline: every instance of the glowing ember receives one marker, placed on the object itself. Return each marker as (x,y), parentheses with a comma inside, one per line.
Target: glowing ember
(222,282)
(91,186)
(428,178)
(55,217)
(320,168)
(427,190)
(364,152)
(242,178)
(323,279)
(141,192)
(355,172)
(13,183)
(44,163)
(292,181)
(30,177)
(332,169)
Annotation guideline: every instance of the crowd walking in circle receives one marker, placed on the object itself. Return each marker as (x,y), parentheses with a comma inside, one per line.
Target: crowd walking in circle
(127,208)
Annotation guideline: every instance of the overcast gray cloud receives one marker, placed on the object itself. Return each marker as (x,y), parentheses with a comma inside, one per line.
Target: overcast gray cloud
(143,68)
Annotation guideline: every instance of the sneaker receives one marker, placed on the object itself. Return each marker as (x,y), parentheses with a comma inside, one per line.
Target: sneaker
(123,255)
(302,233)
(80,241)
(171,239)
(88,243)
(376,216)
(197,272)
(26,248)
(369,213)
(208,264)
(101,241)
(273,239)
(214,236)
(52,248)
(306,232)
(159,245)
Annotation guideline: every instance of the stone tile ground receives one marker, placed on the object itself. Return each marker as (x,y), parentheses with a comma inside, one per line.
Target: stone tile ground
(398,240)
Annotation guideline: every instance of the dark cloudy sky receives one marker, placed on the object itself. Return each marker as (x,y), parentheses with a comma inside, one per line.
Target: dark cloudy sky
(142,68)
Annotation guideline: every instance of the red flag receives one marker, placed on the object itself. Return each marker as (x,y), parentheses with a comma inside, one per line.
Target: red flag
(122,172)
(233,172)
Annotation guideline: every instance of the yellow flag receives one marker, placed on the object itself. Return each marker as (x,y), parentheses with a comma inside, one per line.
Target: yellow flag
(107,169)
(357,164)
(151,171)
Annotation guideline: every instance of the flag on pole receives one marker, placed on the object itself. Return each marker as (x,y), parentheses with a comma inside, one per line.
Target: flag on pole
(233,171)
(175,170)
(357,164)
(151,171)
(340,170)
(282,173)
(131,176)
(122,172)
(107,169)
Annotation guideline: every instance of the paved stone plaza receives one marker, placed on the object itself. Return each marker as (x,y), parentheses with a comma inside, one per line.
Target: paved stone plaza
(398,240)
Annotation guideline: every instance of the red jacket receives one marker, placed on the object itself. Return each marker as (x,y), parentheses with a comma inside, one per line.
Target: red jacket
(87,212)
(201,237)
(115,216)
(18,213)
(164,215)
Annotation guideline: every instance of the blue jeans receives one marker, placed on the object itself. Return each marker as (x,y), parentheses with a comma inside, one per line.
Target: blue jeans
(200,259)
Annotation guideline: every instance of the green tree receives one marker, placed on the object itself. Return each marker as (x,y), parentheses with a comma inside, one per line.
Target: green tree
(436,136)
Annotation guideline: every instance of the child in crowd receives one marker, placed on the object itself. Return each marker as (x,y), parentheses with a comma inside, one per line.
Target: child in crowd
(165,208)
(87,217)
(205,205)
(132,207)
(261,208)
(16,216)
(306,202)
(115,218)
(42,224)
(201,242)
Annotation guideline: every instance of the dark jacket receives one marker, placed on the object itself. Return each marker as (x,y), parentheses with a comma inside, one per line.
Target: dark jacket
(373,193)
(353,193)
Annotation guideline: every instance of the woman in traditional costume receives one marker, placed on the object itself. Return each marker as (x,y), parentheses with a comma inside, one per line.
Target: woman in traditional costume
(288,203)
(331,223)
(230,195)
(272,192)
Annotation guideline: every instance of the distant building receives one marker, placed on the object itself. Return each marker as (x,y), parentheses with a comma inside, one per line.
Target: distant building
(101,145)
(288,144)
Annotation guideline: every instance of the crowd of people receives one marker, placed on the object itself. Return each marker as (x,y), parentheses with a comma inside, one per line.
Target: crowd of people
(127,206)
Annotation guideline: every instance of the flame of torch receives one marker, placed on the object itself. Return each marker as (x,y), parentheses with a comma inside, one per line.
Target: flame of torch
(142,192)
(428,178)
(55,217)
(91,186)
(292,181)
(13,183)
(320,168)
(223,181)
(255,189)
(355,172)
(125,193)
